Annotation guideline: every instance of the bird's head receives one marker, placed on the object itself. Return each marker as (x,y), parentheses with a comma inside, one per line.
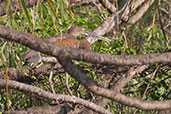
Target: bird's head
(77,31)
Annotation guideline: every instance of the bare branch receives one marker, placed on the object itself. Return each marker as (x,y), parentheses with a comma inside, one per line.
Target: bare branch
(136,3)
(108,5)
(59,52)
(74,71)
(144,105)
(141,12)
(161,25)
(57,109)
(125,8)
(165,112)
(121,82)
(111,21)
(41,93)
(20,75)
(39,44)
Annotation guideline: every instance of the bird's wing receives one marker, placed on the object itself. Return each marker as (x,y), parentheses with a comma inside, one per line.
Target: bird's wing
(59,36)
(31,56)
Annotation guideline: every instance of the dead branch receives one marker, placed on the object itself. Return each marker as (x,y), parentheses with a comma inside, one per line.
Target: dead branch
(39,44)
(74,71)
(141,12)
(108,5)
(59,109)
(119,84)
(111,21)
(21,75)
(41,93)
(93,57)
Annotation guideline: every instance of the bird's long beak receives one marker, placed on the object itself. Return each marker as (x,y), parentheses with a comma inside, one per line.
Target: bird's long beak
(91,34)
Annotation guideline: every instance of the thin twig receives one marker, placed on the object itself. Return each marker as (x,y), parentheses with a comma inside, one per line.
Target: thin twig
(165,38)
(148,86)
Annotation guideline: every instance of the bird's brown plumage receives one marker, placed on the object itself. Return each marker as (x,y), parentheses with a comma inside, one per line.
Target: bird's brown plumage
(67,40)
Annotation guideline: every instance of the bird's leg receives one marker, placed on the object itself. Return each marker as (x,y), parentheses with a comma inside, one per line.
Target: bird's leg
(41,61)
(50,77)
(67,85)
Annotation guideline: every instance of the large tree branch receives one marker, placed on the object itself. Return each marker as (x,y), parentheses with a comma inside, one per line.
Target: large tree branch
(111,21)
(141,12)
(125,78)
(119,84)
(62,53)
(77,74)
(20,75)
(125,8)
(39,44)
(41,93)
(54,109)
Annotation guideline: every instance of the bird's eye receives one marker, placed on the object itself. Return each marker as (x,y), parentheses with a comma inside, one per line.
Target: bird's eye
(83,29)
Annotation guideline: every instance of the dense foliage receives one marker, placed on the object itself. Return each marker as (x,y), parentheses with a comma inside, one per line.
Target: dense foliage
(144,37)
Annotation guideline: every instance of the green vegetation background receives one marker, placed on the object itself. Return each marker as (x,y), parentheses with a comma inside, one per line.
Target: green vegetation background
(51,18)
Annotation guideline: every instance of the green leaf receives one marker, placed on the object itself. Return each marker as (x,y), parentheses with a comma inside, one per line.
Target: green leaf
(3,57)
(27,14)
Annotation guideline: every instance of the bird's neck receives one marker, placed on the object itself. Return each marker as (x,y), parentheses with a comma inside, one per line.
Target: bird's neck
(73,34)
